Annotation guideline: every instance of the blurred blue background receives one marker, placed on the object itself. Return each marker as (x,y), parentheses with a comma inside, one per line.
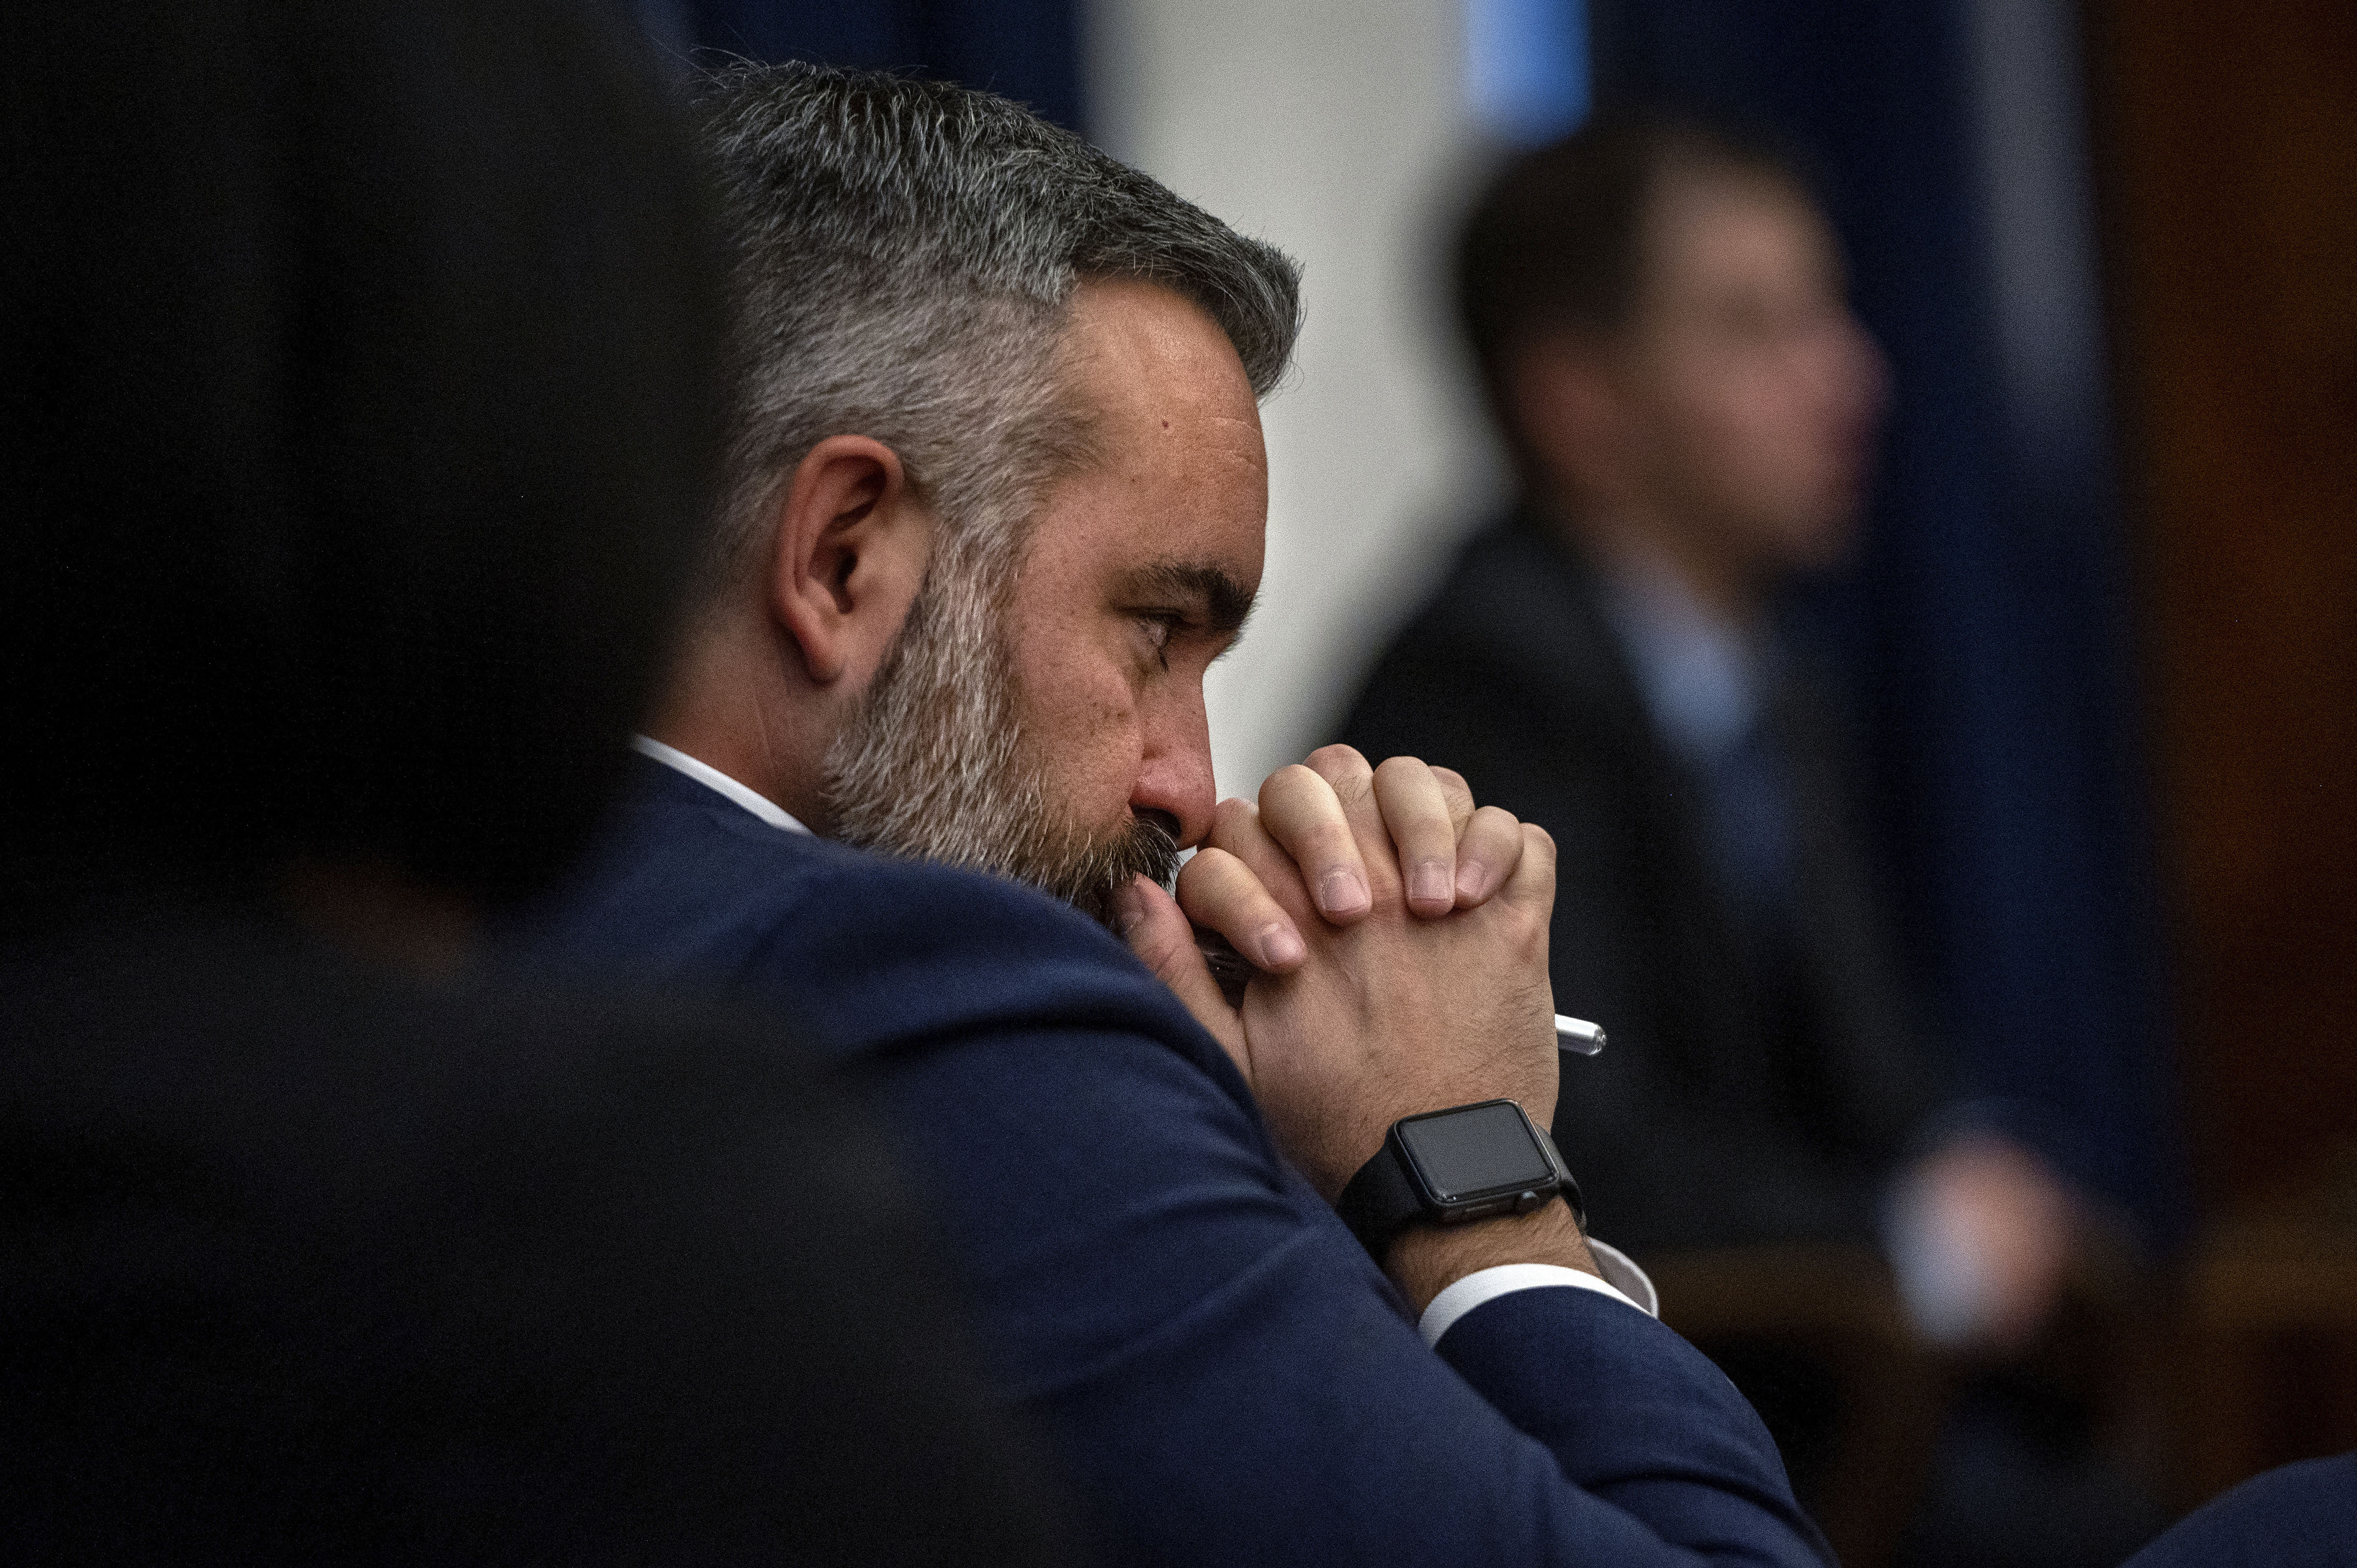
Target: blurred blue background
(1026,50)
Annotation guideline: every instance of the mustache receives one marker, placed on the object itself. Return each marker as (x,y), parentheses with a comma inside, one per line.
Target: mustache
(1089,879)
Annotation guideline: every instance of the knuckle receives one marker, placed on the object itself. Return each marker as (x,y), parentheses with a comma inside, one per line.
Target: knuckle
(1232,816)
(1345,770)
(1353,790)
(1202,873)
(1526,937)
(1289,782)
(1217,865)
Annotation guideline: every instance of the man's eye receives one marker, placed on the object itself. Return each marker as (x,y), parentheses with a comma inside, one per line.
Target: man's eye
(1159,630)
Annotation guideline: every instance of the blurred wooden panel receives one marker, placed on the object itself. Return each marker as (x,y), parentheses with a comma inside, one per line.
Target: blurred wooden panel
(2265,1349)
(2230,178)
(1836,1305)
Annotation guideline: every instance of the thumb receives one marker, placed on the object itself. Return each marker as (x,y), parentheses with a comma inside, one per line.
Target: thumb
(1158,932)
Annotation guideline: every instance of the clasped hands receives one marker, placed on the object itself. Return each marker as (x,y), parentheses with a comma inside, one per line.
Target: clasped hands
(1402,933)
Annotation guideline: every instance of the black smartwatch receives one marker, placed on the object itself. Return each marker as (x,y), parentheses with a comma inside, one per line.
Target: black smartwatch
(1445,1167)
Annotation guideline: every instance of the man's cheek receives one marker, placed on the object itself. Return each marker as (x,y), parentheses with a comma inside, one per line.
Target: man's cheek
(1114,752)
(1089,741)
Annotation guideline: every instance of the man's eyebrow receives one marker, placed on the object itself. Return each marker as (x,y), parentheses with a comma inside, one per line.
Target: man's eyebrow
(1226,603)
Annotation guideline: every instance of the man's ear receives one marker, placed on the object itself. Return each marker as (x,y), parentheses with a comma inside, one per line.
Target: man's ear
(851,544)
(1572,414)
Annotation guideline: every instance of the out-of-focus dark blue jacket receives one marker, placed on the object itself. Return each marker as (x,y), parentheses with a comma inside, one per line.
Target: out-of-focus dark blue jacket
(2301,1515)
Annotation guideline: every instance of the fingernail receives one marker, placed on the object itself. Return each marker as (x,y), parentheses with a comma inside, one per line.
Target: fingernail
(1471,878)
(1341,893)
(1280,946)
(1428,883)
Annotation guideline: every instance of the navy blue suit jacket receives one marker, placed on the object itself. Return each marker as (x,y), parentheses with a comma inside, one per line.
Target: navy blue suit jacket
(1221,1370)
(2301,1515)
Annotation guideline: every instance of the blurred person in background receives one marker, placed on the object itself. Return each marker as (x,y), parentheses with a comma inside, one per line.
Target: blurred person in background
(1658,313)
(362,404)
(998,500)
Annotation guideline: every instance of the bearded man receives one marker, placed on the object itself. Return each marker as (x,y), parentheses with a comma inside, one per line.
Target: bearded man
(998,500)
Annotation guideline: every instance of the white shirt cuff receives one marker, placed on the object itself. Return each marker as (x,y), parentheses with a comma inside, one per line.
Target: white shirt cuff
(1623,1282)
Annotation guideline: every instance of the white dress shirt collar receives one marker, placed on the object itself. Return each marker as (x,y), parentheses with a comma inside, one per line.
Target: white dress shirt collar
(711,779)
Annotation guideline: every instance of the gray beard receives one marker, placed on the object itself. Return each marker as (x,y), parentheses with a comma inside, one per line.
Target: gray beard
(934,765)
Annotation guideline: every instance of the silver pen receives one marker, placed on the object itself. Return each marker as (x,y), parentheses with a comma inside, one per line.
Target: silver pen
(1577,1034)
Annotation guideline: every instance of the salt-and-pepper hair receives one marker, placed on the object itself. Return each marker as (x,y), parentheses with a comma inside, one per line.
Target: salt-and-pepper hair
(906,250)
(906,254)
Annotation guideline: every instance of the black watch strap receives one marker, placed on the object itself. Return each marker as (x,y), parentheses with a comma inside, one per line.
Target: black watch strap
(1382,1200)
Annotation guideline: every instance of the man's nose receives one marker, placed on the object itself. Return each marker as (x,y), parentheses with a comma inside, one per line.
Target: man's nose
(1174,779)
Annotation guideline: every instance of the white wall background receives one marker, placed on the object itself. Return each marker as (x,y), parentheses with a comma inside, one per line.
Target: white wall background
(1338,132)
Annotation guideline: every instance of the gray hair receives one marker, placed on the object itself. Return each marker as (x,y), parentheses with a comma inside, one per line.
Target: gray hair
(906,250)
(906,253)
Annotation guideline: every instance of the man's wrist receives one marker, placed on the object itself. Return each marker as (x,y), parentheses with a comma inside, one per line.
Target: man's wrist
(1424,1260)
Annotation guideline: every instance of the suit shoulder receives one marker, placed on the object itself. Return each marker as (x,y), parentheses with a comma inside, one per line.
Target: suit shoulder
(871,952)
(2301,1516)
(961,917)
(911,953)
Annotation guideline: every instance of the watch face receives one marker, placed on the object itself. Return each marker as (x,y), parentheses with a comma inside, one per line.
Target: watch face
(1475,1149)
